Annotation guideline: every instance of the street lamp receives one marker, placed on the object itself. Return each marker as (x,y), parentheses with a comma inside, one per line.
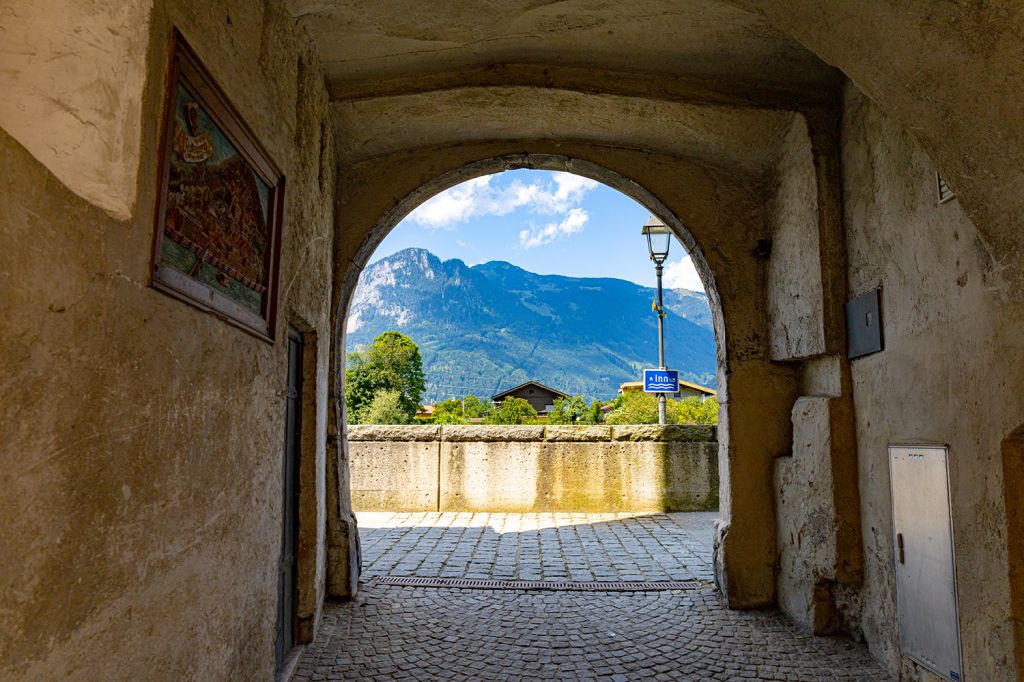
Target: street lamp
(659,238)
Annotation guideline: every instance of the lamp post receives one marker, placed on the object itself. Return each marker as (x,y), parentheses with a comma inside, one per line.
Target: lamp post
(659,239)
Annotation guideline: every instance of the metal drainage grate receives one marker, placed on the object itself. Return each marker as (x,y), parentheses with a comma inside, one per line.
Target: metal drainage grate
(469,584)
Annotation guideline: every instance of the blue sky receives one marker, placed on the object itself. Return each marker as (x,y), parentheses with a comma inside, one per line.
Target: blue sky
(547,222)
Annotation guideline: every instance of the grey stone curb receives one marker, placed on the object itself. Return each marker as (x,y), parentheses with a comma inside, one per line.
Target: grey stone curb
(651,433)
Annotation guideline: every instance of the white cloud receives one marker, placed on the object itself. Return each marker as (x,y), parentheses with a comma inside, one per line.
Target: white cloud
(570,190)
(683,275)
(572,223)
(482,197)
(454,205)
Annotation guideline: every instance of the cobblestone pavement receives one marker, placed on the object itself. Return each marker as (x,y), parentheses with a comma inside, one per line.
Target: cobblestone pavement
(567,546)
(415,633)
(403,633)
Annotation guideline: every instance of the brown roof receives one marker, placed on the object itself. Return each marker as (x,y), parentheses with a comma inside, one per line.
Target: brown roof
(638,386)
(535,383)
(698,387)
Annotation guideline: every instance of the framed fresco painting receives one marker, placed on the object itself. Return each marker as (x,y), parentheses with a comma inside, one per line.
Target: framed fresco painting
(219,209)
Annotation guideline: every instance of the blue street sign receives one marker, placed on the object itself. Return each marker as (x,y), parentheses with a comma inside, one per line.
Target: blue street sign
(661,381)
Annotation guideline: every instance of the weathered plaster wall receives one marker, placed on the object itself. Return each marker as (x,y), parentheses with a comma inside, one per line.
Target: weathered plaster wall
(72,74)
(952,74)
(533,468)
(819,546)
(950,373)
(141,486)
(794,269)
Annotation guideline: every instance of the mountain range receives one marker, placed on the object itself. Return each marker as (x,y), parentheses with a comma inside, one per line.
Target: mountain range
(493,326)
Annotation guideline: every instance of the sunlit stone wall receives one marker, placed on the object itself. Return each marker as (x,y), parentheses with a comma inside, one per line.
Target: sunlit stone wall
(534,468)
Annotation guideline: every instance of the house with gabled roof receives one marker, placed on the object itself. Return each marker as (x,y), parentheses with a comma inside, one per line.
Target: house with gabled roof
(541,397)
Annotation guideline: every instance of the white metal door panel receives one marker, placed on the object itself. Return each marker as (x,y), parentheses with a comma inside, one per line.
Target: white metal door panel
(923,548)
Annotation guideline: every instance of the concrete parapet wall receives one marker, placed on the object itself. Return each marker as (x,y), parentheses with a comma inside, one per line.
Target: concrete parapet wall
(534,468)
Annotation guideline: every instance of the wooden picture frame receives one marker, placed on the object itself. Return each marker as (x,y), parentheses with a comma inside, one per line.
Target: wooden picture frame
(220,204)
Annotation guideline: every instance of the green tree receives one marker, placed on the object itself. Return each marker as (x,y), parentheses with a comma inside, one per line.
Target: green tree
(449,412)
(360,386)
(694,411)
(594,414)
(473,407)
(568,410)
(391,363)
(460,410)
(387,408)
(634,407)
(512,411)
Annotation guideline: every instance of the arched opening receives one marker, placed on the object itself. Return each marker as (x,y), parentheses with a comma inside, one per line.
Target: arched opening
(411,546)
(539,162)
(492,330)
(729,214)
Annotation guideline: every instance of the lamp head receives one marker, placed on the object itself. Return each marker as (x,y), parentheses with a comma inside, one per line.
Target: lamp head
(659,239)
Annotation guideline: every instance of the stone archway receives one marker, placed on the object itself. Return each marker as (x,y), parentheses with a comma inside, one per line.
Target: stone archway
(585,80)
(731,219)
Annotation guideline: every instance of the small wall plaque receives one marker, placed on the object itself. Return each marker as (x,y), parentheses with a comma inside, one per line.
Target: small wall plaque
(943,191)
(864,325)
(218,222)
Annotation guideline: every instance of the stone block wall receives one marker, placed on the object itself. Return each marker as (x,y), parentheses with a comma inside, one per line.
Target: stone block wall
(534,468)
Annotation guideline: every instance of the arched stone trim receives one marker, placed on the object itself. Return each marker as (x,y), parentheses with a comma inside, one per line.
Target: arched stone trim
(343,580)
(713,212)
(549,162)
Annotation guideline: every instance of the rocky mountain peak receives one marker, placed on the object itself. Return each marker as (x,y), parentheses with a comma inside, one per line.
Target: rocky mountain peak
(495,325)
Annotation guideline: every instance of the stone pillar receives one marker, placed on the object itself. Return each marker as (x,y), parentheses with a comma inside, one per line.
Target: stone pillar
(754,429)
(817,515)
(343,558)
(817,501)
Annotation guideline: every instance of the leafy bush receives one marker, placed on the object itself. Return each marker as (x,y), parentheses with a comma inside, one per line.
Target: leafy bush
(575,411)
(449,412)
(694,411)
(635,407)
(459,411)
(473,407)
(512,411)
(387,408)
(568,410)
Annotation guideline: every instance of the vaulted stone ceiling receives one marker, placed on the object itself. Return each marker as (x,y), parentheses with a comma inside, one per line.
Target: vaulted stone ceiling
(697,79)
(948,72)
(699,49)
